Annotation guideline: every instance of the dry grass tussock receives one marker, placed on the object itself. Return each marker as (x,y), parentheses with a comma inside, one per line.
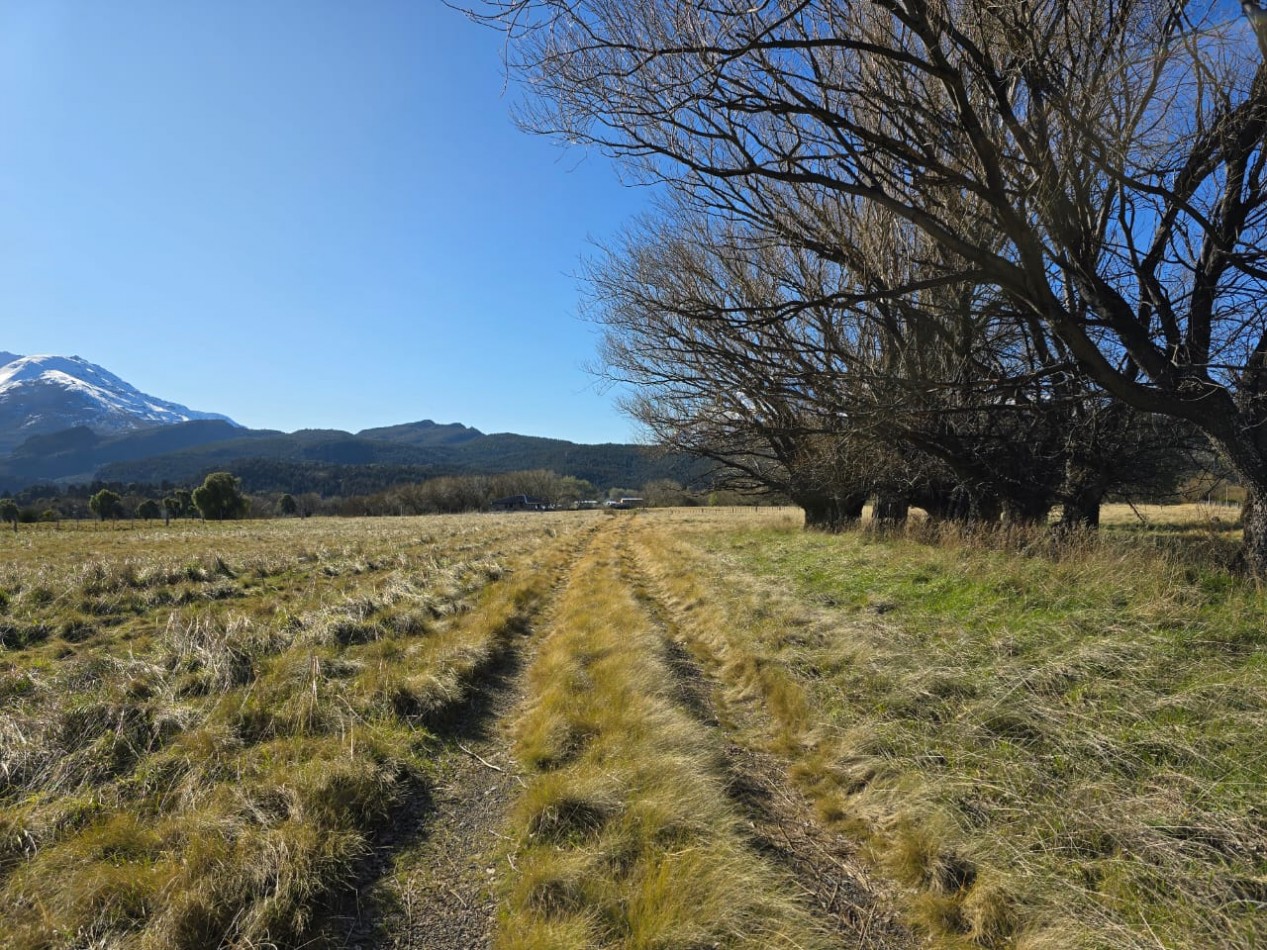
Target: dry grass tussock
(197,744)
(624,835)
(1048,745)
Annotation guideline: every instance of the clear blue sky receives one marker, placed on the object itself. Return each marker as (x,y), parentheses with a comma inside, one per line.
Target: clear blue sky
(300,213)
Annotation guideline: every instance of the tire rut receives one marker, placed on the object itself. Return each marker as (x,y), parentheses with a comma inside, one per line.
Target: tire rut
(446,894)
(783,827)
(433,878)
(428,882)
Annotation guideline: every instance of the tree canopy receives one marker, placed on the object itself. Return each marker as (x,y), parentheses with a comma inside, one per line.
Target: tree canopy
(106,504)
(219,497)
(1091,176)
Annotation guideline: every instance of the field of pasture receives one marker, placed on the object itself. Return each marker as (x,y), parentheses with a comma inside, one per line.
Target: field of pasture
(203,727)
(655,729)
(1042,744)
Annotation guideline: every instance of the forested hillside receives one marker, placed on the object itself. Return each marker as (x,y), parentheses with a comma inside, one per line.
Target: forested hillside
(327,461)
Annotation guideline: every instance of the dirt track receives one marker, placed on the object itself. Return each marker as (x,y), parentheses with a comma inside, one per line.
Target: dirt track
(435,881)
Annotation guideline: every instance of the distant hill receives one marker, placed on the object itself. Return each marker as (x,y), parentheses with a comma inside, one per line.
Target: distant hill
(334,462)
(328,461)
(425,432)
(47,394)
(65,420)
(74,455)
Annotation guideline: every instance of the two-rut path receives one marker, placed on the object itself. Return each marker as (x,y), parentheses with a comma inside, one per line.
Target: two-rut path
(442,871)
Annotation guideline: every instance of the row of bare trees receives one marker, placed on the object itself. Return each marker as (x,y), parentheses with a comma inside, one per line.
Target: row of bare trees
(796,377)
(972,250)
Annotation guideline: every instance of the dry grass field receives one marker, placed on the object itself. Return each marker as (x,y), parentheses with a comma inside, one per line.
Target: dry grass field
(203,727)
(656,729)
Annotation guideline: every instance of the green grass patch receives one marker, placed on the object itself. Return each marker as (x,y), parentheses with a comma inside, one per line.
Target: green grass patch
(1048,745)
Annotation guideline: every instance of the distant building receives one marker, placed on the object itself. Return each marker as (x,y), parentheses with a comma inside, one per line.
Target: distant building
(520,503)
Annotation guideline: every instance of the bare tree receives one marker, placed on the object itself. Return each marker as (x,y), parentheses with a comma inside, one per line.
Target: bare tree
(818,381)
(726,363)
(1116,147)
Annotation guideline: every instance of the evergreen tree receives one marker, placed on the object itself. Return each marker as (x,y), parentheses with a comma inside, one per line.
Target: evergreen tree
(106,504)
(220,497)
(9,513)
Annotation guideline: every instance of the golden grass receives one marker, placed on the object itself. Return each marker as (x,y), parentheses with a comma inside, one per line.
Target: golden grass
(1045,744)
(203,728)
(1194,515)
(624,836)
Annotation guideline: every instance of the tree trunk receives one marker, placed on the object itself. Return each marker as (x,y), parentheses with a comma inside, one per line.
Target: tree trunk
(1026,510)
(890,511)
(985,508)
(831,513)
(938,500)
(1081,494)
(1081,512)
(973,506)
(1080,509)
(1249,459)
(1253,555)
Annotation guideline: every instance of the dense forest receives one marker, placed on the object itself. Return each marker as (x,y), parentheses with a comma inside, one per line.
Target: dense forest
(327,461)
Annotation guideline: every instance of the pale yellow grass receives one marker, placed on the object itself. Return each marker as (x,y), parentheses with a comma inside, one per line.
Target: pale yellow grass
(624,836)
(1197,515)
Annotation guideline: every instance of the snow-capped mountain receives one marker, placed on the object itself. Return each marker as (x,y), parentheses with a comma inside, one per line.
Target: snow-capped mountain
(42,394)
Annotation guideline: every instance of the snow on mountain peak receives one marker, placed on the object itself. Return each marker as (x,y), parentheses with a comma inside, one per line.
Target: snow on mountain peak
(48,393)
(25,368)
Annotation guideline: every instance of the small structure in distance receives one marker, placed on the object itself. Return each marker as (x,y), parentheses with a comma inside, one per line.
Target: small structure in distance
(520,503)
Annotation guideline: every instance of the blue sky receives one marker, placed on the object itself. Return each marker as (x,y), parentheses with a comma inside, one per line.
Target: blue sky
(300,213)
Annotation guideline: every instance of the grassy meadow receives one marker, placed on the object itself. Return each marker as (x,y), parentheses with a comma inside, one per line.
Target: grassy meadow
(207,730)
(1045,745)
(202,727)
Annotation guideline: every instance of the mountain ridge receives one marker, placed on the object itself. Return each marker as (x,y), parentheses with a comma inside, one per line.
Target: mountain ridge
(45,394)
(184,451)
(282,462)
